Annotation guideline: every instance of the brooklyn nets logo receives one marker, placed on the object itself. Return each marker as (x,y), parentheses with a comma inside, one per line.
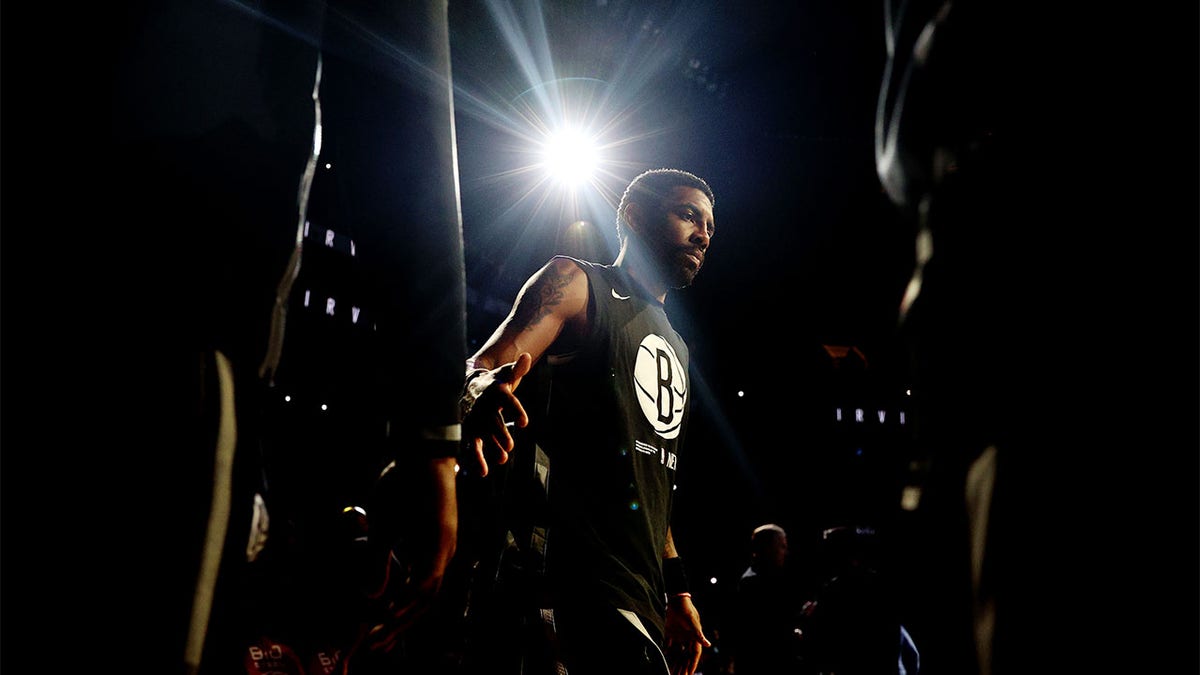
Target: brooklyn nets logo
(661,385)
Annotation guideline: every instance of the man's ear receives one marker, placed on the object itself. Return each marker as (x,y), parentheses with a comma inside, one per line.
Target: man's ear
(633,216)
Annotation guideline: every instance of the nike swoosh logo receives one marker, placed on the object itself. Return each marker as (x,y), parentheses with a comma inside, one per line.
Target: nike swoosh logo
(619,297)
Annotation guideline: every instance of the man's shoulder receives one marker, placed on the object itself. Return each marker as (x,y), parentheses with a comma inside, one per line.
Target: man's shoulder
(567,261)
(562,270)
(597,275)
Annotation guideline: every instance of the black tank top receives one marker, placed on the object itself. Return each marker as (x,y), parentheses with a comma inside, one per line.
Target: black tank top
(616,414)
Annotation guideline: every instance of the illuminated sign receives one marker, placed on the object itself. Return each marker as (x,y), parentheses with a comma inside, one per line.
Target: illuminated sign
(877,416)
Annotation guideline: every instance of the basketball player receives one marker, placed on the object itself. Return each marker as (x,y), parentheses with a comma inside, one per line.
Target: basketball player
(611,588)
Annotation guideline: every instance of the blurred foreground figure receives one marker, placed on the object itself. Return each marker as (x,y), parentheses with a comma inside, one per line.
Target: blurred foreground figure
(294,166)
(1006,133)
(942,156)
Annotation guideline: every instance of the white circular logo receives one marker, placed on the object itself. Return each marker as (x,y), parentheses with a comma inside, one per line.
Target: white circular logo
(661,385)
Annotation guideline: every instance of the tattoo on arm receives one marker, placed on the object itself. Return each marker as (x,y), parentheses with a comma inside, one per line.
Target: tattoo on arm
(542,297)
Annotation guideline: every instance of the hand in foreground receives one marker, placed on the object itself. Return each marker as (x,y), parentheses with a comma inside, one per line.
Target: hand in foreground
(378,639)
(488,399)
(406,591)
(685,641)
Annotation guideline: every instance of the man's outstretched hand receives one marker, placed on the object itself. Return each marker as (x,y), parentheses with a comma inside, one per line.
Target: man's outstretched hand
(490,405)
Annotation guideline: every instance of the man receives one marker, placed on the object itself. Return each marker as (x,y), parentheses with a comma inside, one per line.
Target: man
(763,633)
(607,444)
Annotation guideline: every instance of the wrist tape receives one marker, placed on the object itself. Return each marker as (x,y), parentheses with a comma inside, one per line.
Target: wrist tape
(675,576)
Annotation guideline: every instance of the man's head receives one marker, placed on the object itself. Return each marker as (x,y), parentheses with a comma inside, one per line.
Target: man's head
(768,546)
(668,215)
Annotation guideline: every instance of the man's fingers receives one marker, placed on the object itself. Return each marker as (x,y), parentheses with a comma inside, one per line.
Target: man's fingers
(503,437)
(483,465)
(502,445)
(523,365)
(522,419)
(511,373)
(697,651)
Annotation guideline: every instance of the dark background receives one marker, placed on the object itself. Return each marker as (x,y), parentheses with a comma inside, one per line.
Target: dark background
(774,104)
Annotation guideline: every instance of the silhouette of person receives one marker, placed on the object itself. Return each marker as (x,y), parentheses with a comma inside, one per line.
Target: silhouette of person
(761,634)
(1000,130)
(293,314)
(852,625)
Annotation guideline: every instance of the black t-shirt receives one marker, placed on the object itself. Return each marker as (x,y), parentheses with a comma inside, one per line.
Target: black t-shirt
(615,417)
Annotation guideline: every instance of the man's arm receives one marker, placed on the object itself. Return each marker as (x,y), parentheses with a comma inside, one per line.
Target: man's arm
(669,550)
(685,640)
(551,309)
(430,486)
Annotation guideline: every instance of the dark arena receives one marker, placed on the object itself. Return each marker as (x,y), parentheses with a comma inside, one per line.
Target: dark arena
(578,337)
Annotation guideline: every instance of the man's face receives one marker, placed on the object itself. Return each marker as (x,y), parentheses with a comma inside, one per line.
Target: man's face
(779,551)
(678,237)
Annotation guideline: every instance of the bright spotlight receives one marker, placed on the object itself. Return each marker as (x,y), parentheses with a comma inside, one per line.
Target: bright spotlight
(570,157)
